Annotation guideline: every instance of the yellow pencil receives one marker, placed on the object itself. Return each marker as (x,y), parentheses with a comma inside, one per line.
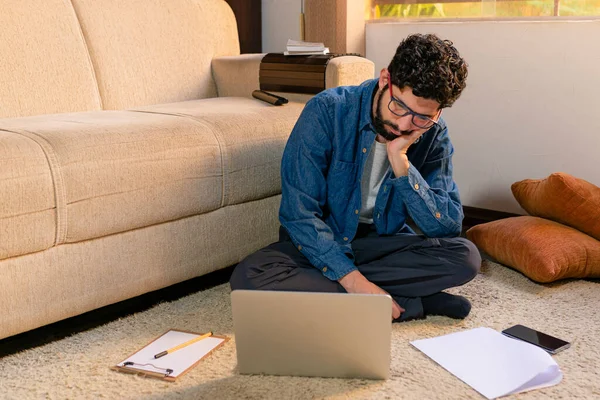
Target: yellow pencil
(182,345)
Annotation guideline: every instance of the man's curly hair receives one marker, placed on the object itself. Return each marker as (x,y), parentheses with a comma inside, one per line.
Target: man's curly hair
(431,67)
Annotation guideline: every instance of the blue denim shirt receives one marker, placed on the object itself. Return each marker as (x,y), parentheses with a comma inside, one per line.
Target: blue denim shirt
(321,169)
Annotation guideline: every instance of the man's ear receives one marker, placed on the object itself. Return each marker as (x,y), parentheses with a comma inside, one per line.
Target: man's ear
(384,77)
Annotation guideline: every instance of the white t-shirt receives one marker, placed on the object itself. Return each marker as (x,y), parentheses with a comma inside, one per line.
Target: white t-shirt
(372,177)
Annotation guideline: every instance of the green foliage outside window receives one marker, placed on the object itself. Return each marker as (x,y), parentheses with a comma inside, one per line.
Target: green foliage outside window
(526,8)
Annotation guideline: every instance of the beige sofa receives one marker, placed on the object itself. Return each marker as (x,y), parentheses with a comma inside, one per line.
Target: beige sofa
(132,155)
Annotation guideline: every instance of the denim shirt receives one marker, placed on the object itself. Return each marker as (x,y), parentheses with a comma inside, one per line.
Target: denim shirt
(321,169)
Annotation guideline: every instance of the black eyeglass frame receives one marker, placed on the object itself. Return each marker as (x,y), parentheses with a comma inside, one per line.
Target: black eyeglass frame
(430,122)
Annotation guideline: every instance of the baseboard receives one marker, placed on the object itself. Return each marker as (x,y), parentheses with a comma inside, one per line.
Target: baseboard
(475,216)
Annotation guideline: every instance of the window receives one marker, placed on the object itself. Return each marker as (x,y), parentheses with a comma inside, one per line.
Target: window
(381,9)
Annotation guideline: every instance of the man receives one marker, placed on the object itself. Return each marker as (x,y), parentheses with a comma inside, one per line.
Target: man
(358,164)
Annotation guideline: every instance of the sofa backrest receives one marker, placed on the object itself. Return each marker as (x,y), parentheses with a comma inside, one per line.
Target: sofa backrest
(155,51)
(44,63)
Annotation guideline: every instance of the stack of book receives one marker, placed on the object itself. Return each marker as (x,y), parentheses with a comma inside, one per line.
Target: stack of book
(301,48)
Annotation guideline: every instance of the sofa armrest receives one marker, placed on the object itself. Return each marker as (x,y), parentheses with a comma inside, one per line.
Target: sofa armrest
(348,70)
(238,75)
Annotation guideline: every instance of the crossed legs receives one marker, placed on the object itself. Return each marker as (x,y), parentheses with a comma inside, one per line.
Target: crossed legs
(411,268)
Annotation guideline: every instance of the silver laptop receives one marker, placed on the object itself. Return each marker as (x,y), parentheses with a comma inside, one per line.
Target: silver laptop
(336,335)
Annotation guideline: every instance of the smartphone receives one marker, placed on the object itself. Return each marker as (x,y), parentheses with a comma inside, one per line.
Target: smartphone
(549,343)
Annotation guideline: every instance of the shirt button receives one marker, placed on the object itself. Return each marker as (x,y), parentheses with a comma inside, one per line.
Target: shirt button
(364,150)
(355,211)
(385,189)
(438,215)
(345,239)
(299,247)
(378,215)
(416,186)
(324,269)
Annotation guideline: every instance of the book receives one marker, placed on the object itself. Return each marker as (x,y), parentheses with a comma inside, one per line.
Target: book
(492,363)
(301,48)
(174,364)
(306,53)
(300,45)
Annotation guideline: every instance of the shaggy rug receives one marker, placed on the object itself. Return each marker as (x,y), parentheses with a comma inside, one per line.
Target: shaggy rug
(78,366)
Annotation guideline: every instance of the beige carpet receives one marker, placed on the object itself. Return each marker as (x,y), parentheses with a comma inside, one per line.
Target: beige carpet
(78,366)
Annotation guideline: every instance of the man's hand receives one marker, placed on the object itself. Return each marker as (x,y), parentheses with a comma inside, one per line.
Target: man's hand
(396,151)
(355,282)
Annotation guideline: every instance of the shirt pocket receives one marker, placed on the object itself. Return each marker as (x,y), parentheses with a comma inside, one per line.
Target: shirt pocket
(341,183)
(342,166)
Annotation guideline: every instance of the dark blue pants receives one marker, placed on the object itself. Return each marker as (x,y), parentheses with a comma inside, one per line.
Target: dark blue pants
(408,267)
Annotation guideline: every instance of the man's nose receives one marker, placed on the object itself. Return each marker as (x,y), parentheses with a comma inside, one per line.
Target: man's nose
(405,122)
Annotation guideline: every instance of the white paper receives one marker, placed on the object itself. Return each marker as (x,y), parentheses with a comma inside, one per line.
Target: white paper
(306,53)
(492,363)
(299,47)
(301,43)
(179,360)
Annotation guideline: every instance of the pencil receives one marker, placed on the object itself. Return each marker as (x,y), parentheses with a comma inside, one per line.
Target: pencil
(182,345)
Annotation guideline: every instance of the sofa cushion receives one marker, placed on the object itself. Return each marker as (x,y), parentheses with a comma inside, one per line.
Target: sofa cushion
(27,214)
(252,135)
(45,65)
(156,51)
(64,281)
(562,198)
(121,170)
(543,250)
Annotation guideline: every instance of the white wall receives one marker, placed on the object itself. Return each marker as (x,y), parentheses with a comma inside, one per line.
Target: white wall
(531,103)
(280,22)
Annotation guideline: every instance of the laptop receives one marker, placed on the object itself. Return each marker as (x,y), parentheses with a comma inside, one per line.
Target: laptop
(338,335)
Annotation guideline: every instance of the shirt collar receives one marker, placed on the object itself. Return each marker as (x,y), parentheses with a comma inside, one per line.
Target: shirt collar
(368,95)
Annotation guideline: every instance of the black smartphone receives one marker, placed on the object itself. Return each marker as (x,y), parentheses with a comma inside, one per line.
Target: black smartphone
(549,343)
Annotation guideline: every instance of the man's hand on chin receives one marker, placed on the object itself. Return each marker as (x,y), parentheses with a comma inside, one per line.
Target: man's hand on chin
(355,282)
(396,151)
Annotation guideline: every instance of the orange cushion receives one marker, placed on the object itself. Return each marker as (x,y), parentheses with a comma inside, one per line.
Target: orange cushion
(562,198)
(543,250)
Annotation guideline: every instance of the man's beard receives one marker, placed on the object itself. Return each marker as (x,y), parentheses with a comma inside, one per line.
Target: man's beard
(379,123)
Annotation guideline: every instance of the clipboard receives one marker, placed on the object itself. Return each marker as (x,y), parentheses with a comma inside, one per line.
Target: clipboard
(173,365)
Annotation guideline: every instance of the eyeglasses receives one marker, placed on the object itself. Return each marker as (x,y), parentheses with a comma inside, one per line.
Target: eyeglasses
(398,108)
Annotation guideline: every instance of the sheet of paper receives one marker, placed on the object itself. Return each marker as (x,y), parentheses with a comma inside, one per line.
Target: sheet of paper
(492,363)
(179,360)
